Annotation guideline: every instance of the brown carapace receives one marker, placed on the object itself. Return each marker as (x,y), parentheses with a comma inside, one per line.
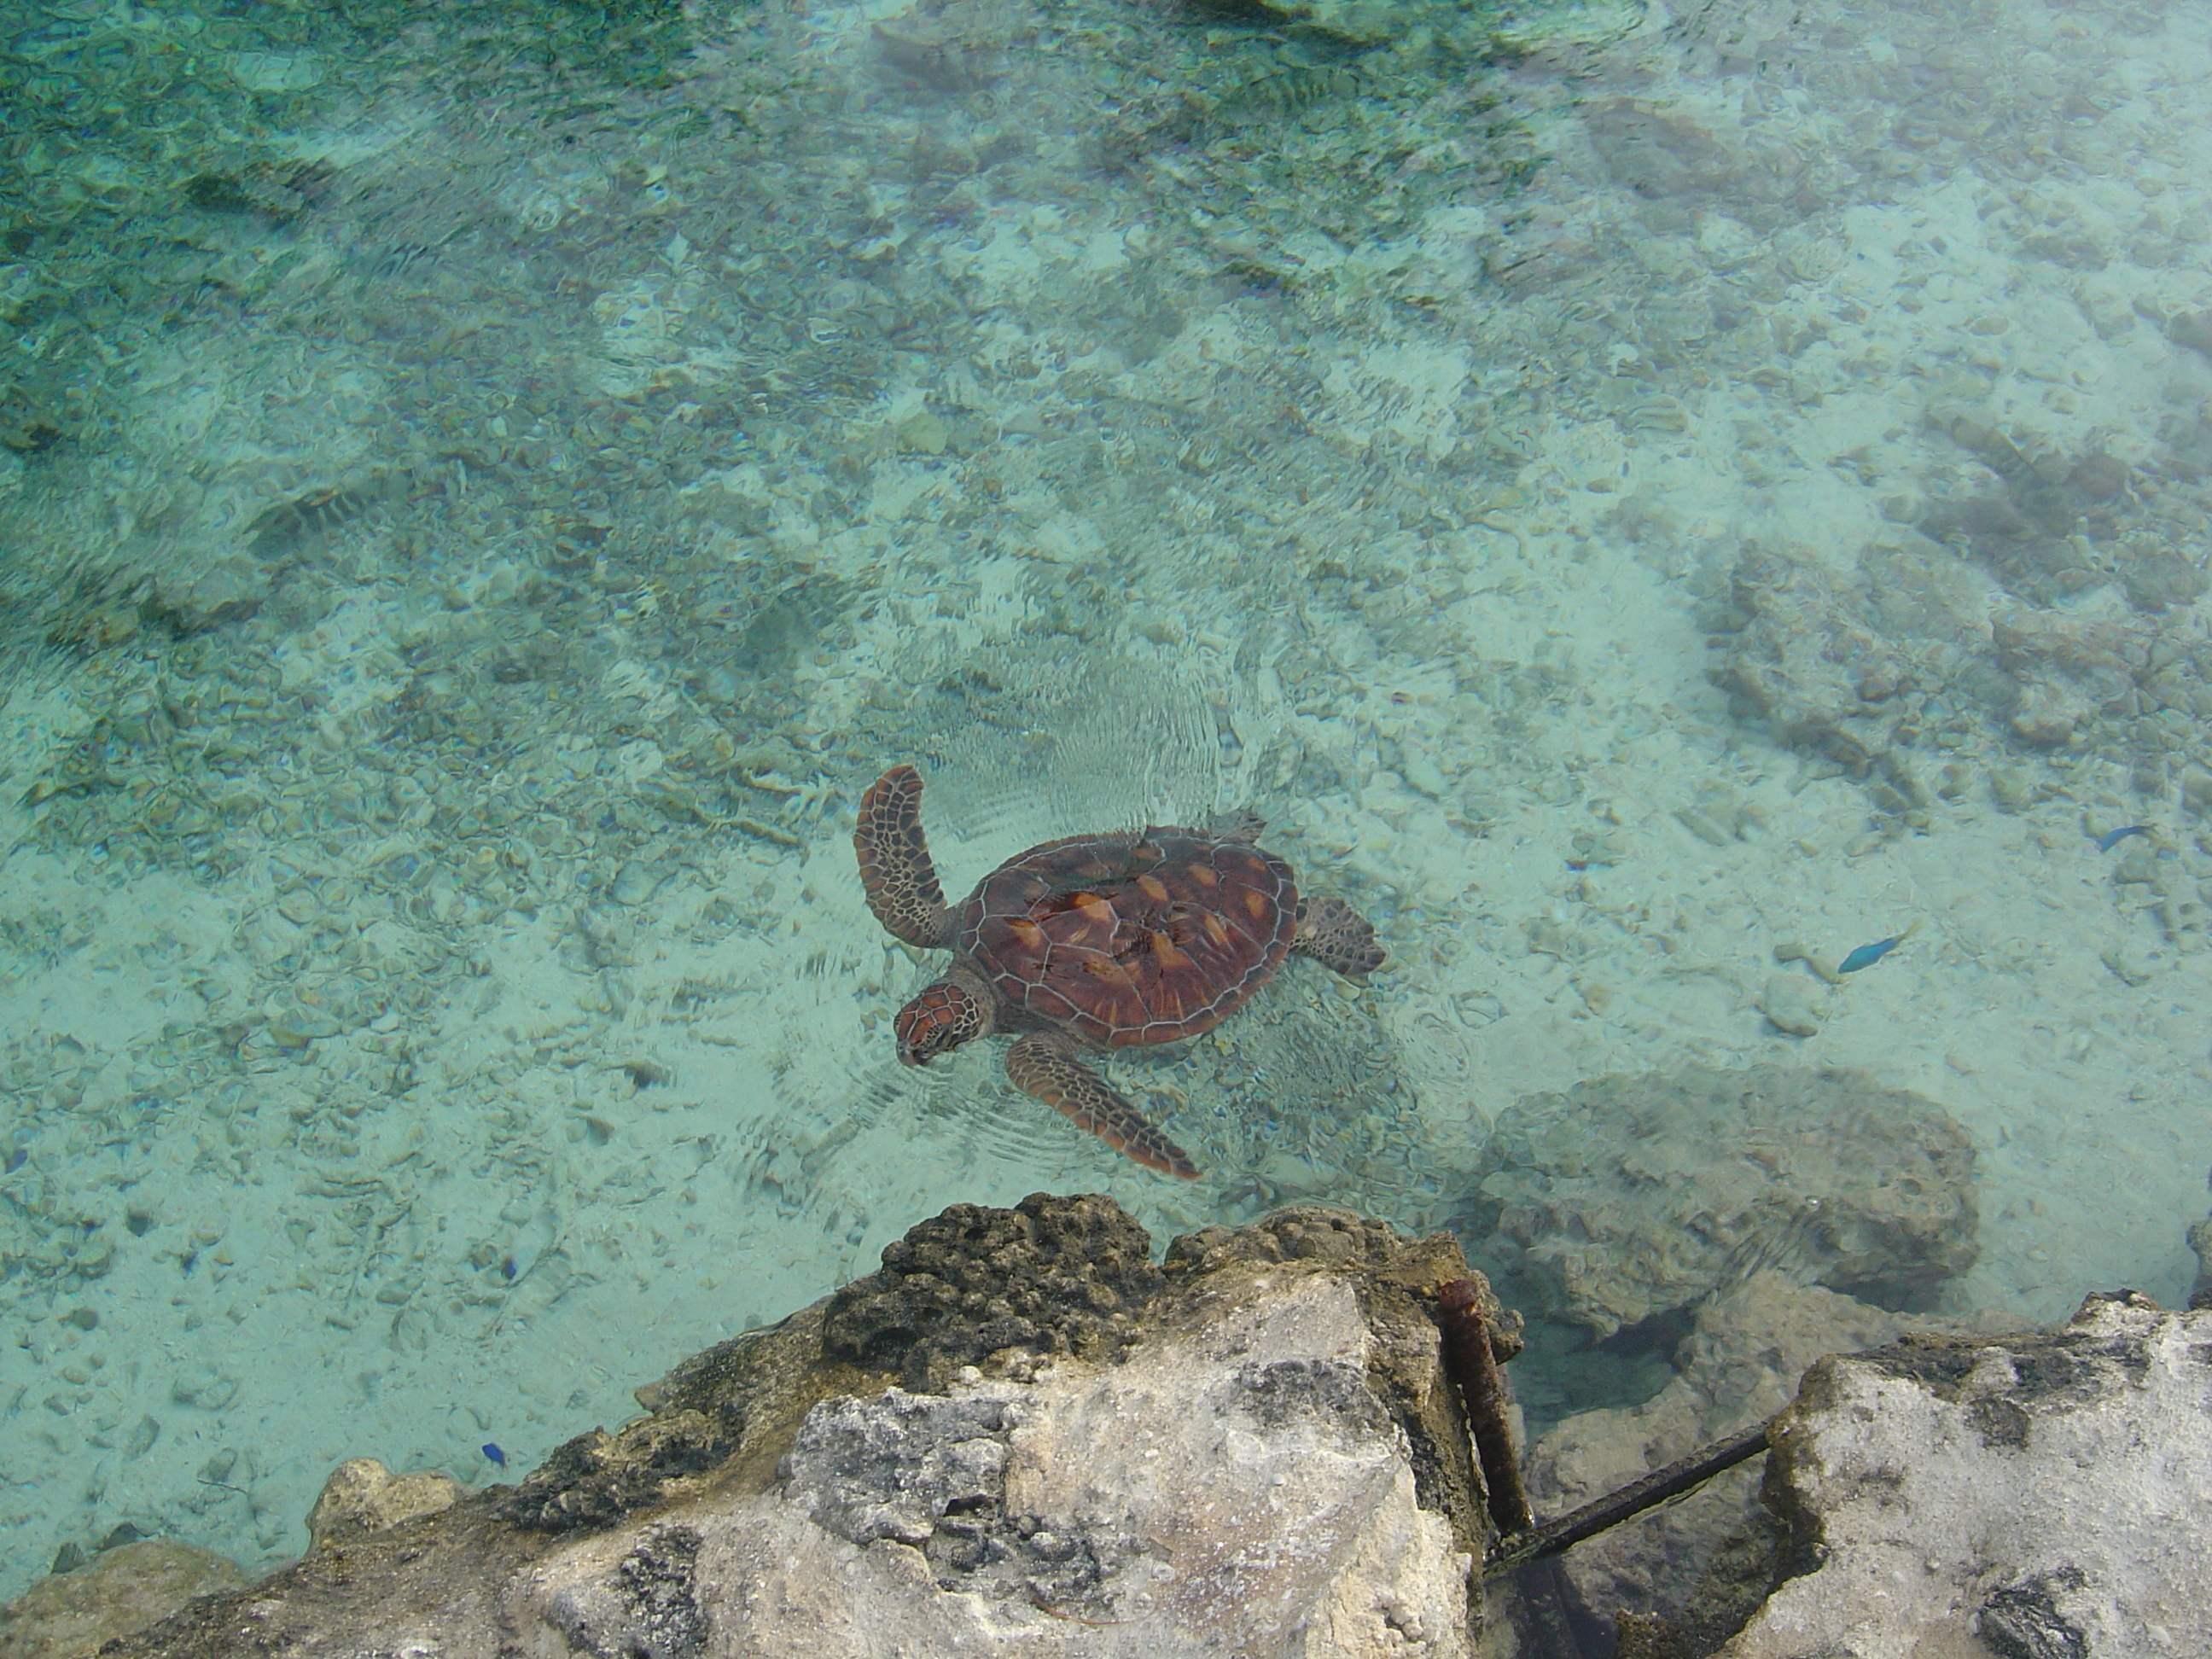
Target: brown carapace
(1095,942)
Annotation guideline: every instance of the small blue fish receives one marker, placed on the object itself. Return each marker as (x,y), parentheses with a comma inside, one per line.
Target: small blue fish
(494,1453)
(2113,838)
(1866,955)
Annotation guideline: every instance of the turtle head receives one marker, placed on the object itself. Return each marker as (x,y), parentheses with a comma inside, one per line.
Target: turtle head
(945,1016)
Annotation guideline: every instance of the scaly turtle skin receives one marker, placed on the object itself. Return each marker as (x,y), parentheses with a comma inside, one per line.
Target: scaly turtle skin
(1095,942)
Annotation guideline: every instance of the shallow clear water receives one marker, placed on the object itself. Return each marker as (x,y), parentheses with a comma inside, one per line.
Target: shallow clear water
(484,489)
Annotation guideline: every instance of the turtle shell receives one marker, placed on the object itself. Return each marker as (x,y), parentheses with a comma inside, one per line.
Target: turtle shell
(1123,941)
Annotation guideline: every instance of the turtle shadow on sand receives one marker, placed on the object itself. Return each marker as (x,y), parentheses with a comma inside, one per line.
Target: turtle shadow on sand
(1095,942)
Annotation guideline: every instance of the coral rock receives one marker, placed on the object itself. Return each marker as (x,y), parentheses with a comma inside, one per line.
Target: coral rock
(362,1496)
(1251,1447)
(1637,1195)
(1809,659)
(1051,1276)
(120,1592)
(2040,1495)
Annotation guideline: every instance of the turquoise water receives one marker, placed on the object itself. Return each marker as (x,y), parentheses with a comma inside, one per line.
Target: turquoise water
(1644,504)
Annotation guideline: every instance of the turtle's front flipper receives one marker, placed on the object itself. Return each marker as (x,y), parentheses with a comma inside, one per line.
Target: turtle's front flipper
(1042,1066)
(1332,931)
(894,867)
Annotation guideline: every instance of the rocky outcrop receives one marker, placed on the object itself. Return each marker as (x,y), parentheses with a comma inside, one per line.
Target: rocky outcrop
(1641,1195)
(1704,1561)
(118,1593)
(1021,1435)
(2039,1496)
(2036,1495)
(363,1496)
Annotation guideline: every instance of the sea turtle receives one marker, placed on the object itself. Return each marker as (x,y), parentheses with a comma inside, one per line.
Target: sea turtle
(1095,942)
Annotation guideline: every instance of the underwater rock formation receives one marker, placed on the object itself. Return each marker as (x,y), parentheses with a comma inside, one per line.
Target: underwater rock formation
(2071,669)
(1251,1447)
(1807,657)
(1508,30)
(1638,1195)
(1854,664)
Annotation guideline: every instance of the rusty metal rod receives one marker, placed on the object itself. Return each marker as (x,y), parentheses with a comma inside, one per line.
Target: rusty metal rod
(1554,1537)
(1471,1365)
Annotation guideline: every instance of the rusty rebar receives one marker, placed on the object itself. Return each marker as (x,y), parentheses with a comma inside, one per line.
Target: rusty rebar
(1554,1537)
(1471,1365)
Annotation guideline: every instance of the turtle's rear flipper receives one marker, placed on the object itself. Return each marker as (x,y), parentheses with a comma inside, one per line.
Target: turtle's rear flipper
(1042,1066)
(894,867)
(1332,931)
